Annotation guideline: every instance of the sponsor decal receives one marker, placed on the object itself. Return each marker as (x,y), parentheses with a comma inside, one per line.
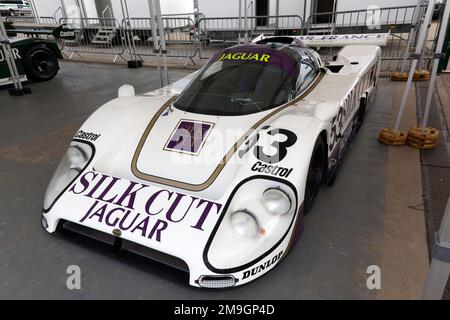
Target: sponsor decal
(245,56)
(281,147)
(189,136)
(115,204)
(87,135)
(342,37)
(64,32)
(272,170)
(340,122)
(255,270)
(15,53)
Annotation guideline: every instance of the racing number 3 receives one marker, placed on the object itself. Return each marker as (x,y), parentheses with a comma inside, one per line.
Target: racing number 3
(280,146)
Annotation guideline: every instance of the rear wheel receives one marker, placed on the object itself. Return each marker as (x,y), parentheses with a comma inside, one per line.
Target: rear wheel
(40,63)
(315,175)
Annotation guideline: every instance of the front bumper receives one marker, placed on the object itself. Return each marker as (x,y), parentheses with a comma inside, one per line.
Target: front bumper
(181,244)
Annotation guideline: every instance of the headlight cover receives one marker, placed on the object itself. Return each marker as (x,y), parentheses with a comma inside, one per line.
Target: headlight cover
(244,223)
(74,161)
(247,230)
(276,201)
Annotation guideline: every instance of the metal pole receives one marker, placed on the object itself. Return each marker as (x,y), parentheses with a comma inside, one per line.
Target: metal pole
(443,63)
(245,21)
(240,21)
(130,39)
(277,12)
(304,15)
(127,36)
(83,9)
(34,10)
(437,57)
(440,265)
(9,57)
(80,9)
(162,38)
(63,6)
(16,81)
(412,33)
(156,48)
(416,56)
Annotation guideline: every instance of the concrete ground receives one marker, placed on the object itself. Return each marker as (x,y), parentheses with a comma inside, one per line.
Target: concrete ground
(371,216)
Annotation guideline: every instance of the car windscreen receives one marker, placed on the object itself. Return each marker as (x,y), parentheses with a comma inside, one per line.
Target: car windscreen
(241,81)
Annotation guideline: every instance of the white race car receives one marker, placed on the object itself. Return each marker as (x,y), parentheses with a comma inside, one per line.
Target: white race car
(213,174)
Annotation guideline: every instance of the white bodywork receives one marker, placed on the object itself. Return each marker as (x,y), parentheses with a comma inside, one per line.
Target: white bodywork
(182,202)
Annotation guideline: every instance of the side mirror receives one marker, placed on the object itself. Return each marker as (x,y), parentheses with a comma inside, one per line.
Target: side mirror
(126,91)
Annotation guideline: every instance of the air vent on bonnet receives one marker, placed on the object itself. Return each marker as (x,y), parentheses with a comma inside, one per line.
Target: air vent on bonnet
(284,40)
(335,68)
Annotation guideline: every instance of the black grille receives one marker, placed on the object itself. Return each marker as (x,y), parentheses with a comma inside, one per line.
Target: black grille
(121,244)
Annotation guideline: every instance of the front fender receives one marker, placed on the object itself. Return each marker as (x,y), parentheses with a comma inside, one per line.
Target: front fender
(293,165)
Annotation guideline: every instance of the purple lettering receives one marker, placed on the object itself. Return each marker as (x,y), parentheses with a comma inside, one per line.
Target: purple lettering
(152,198)
(130,194)
(99,213)
(175,205)
(142,226)
(89,212)
(99,183)
(108,216)
(84,182)
(124,219)
(205,213)
(107,189)
(159,226)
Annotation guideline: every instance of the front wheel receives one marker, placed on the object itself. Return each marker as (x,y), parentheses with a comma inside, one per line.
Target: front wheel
(40,63)
(315,175)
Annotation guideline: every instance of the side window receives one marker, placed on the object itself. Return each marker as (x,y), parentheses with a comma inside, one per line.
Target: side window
(306,76)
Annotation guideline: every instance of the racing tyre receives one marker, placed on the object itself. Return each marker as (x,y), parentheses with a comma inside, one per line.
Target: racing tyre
(40,63)
(315,175)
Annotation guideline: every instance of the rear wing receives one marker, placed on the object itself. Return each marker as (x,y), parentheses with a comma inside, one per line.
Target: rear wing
(335,40)
(58,31)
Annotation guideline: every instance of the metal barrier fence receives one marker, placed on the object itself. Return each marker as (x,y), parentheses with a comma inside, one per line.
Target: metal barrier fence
(398,21)
(95,36)
(187,34)
(178,31)
(361,21)
(31,19)
(193,16)
(218,33)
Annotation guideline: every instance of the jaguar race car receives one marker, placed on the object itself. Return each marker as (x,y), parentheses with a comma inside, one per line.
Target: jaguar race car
(214,173)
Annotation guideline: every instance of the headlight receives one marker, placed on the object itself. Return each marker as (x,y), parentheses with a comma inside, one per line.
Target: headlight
(257,218)
(276,201)
(72,164)
(244,224)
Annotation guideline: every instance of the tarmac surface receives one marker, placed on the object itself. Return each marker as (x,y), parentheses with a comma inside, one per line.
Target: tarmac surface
(355,223)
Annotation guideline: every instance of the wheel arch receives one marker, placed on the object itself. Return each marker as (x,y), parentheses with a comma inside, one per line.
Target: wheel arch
(53,46)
